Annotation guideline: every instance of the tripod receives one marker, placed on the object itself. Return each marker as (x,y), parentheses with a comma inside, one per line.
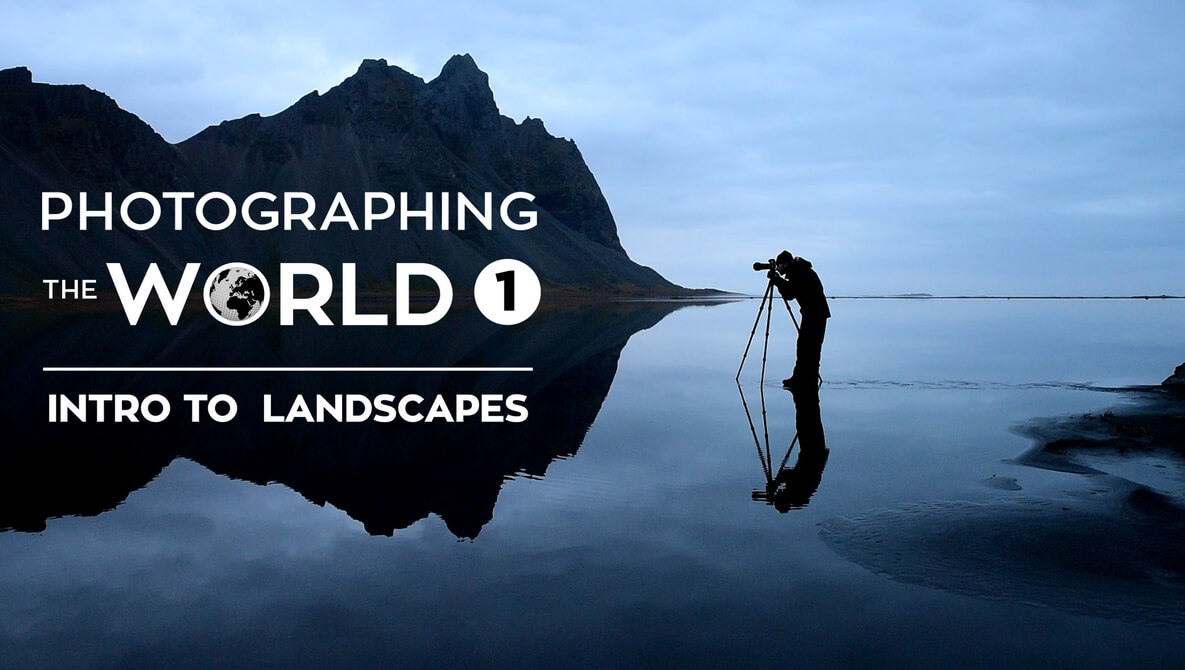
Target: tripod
(767,305)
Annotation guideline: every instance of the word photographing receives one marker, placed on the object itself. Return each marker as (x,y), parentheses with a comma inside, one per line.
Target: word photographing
(297,210)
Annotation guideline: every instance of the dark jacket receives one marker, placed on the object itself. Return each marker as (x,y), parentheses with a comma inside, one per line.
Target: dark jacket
(802,284)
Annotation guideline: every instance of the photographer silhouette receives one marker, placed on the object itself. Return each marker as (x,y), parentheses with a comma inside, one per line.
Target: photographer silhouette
(796,280)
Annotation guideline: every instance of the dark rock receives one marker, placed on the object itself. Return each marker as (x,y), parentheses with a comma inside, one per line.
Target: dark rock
(75,139)
(562,182)
(82,134)
(16,76)
(1177,378)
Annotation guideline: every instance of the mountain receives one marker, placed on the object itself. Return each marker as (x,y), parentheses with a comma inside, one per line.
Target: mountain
(72,139)
(382,129)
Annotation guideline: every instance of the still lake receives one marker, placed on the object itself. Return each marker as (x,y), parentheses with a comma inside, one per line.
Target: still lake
(627,523)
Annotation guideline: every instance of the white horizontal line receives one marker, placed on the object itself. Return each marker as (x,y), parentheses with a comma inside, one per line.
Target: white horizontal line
(282,369)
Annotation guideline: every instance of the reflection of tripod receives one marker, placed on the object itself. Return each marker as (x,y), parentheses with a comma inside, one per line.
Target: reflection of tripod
(767,299)
(764,455)
(791,488)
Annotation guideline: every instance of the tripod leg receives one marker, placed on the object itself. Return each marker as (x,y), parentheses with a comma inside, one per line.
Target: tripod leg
(768,317)
(792,317)
(765,465)
(787,457)
(760,308)
(765,427)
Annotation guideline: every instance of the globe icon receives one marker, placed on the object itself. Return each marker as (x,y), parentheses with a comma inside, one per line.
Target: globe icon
(236,294)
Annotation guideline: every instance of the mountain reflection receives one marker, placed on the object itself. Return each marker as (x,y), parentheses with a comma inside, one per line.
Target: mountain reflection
(385,475)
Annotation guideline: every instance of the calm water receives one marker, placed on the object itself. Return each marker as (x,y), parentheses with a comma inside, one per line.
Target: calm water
(624,525)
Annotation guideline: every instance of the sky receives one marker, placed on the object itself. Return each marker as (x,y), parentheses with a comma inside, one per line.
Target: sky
(903,146)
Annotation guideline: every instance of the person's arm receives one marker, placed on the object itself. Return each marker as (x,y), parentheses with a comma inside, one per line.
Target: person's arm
(785,286)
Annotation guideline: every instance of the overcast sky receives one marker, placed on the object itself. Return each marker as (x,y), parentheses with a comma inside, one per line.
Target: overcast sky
(903,146)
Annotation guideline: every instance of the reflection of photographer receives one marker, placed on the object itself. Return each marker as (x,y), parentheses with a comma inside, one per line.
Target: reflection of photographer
(797,281)
(792,488)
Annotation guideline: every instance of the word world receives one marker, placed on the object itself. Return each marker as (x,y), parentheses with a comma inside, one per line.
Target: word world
(237,294)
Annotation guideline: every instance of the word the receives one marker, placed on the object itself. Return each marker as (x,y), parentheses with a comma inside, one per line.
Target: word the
(71,289)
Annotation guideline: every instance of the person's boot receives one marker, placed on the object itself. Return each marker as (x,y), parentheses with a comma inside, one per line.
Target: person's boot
(797,383)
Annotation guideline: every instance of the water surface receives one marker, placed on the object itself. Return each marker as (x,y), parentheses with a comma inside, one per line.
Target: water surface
(619,526)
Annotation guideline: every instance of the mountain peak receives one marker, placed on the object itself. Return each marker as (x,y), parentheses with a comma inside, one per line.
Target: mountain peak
(15,76)
(462,66)
(460,103)
(372,66)
(377,69)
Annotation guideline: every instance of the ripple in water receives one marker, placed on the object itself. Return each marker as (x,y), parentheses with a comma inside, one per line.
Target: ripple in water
(1123,561)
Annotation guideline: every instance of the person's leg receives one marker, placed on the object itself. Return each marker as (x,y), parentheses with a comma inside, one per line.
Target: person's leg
(810,348)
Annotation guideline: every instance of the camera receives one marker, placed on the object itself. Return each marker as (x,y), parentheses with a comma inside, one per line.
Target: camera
(768,265)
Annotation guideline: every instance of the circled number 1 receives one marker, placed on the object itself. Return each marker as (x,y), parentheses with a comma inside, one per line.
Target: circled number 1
(507,279)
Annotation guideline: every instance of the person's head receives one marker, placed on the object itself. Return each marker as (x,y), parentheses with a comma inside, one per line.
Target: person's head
(782,262)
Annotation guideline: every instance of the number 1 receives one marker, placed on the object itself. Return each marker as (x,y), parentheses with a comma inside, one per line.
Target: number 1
(508,290)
